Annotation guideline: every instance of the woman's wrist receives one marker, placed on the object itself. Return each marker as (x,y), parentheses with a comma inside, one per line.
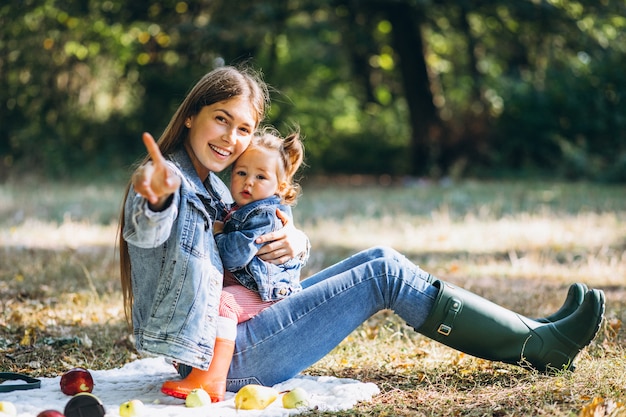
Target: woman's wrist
(163,203)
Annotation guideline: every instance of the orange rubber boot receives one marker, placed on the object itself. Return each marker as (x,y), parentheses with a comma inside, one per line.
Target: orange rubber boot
(213,380)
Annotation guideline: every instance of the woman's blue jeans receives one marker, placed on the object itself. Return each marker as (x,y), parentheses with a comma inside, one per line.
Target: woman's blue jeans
(299,330)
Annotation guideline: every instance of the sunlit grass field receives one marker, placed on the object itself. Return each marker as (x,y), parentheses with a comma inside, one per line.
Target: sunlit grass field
(519,244)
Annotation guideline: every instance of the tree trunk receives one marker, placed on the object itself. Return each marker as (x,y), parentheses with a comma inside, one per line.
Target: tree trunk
(425,123)
(357,32)
(476,95)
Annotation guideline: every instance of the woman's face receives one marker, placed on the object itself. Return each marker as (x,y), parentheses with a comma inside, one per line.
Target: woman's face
(218,134)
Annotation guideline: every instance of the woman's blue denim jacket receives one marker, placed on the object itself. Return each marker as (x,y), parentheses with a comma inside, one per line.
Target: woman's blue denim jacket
(238,250)
(176,269)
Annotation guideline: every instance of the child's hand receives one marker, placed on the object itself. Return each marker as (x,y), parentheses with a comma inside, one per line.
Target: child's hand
(155,181)
(218,227)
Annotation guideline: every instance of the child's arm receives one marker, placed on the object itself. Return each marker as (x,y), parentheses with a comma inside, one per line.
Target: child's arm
(237,248)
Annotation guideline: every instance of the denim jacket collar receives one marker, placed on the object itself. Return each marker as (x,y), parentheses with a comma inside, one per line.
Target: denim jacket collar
(181,159)
(243,212)
(212,189)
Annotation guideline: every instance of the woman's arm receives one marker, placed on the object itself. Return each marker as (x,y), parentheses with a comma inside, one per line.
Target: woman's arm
(144,227)
(284,244)
(151,206)
(155,180)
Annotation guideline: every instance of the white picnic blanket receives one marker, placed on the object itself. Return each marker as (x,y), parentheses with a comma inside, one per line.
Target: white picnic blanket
(142,380)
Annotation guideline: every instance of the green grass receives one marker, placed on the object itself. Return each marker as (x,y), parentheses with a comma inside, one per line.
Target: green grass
(519,244)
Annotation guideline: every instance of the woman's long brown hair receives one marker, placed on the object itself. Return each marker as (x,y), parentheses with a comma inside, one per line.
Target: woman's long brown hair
(221,84)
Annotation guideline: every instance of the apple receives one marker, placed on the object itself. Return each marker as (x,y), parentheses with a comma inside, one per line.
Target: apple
(76,380)
(296,398)
(50,413)
(132,408)
(197,398)
(7,408)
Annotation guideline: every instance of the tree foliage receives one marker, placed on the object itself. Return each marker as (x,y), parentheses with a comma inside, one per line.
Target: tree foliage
(401,87)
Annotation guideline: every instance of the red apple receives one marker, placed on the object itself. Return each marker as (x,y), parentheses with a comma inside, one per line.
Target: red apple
(50,413)
(76,380)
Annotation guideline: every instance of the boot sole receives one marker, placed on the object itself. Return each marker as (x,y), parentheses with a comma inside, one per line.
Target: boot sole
(215,398)
(174,393)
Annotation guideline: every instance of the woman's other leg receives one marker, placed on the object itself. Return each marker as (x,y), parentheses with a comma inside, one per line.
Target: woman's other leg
(296,332)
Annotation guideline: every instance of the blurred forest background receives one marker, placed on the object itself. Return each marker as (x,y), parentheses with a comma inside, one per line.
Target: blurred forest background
(499,88)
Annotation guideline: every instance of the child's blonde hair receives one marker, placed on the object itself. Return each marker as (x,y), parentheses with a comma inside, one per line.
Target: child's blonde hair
(291,151)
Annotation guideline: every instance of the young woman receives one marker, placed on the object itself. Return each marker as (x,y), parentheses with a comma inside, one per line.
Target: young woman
(172,272)
(170,267)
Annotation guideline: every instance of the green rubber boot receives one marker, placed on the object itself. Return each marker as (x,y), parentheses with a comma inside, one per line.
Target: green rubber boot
(469,323)
(575,297)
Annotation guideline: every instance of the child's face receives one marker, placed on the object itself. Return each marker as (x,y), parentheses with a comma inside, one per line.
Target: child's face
(255,175)
(218,134)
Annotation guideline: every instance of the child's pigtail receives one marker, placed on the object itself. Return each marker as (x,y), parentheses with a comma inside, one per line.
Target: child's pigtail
(293,156)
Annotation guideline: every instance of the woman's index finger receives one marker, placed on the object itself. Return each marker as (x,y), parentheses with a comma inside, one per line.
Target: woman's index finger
(153,148)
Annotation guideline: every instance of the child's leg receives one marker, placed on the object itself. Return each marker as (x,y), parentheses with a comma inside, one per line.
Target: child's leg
(241,304)
(213,380)
(238,304)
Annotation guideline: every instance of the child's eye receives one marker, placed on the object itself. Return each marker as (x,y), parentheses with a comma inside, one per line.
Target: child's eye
(240,173)
(260,177)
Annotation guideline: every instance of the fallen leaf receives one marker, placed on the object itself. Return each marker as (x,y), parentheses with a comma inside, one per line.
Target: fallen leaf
(29,337)
(599,407)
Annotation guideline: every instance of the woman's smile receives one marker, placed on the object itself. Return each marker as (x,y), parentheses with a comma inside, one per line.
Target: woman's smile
(220,151)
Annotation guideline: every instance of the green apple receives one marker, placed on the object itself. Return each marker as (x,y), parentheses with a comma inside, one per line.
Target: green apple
(7,408)
(197,398)
(132,408)
(296,398)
